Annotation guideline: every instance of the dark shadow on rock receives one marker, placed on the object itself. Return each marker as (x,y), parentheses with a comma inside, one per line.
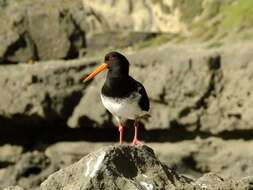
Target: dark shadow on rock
(33,132)
(77,41)
(70,103)
(20,43)
(124,165)
(5,164)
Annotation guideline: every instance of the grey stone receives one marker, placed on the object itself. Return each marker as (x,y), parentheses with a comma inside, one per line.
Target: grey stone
(53,28)
(63,154)
(15,44)
(229,162)
(117,167)
(28,172)
(191,88)
(87,112)
(116,40)
(13,188)
(42,92)
(10,153)
(215,182)
(230,158)
(41,30)
(124,167)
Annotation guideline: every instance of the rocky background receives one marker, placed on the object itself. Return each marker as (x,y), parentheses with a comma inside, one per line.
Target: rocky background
(194,59)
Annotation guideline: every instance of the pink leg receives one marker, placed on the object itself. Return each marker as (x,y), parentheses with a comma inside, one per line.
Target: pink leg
(135,140)
(121,130)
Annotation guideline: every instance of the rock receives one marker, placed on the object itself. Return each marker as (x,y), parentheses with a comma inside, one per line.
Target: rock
(55,30)
(29,172)
(215,182)
(63,154)
(86,112)
(193,158)
(134,16)
(230,158)
(15,45)
(117,167)
(10,153)
(116,40)
(41,30)
(13,188)
(124,167)
(199,96)
(41,93)
(197,99)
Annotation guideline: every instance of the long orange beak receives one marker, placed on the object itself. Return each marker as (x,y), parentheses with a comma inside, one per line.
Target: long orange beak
(96,71)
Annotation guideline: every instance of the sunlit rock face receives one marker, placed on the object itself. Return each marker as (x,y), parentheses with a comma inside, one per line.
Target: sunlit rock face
(118,167)
(143,15)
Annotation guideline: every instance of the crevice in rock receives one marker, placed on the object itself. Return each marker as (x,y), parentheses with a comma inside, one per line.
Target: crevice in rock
(77,40)
(24,41)
(69,104)
(190,163)
(20,43)
(5,164)
(201,103)
(32,171)
(214,65)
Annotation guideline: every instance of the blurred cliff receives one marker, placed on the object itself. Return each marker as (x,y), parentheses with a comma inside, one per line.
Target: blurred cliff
(64,29)
(193,56)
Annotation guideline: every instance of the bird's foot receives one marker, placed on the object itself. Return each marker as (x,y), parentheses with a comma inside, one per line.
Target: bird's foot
(136,142)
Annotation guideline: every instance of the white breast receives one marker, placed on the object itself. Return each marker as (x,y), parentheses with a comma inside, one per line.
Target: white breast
(124,108)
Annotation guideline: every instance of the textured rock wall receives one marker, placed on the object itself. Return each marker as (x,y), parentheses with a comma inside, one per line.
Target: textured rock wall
(41,92)
(135,168)
(41,30)
(192,89)
(64,29)
(200,90)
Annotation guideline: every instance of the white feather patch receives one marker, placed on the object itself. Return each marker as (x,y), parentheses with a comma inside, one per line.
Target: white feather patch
(125,108)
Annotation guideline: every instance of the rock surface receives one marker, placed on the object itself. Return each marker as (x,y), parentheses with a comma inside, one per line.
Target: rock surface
(198,159)
(65,29)
(201,93)
(41,30)
(122,167)
(196,89)
(41,92)
(28,172)
(215,182)
(13,188)
(232,158)
(10,153)
(128,167)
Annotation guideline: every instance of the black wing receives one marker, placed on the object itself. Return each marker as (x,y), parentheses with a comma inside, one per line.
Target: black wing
(144,100)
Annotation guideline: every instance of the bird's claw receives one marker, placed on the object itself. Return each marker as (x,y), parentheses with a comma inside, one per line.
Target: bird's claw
(136,142)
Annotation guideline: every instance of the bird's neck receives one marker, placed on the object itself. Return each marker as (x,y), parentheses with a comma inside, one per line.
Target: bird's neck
(116,86)
(115,81)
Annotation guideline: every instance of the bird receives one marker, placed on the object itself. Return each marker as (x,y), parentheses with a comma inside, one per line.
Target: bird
(123,96)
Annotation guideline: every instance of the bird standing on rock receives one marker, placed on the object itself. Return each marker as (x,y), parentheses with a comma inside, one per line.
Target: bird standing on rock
(122,95)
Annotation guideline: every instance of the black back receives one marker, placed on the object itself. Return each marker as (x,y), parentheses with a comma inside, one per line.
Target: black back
(119,84)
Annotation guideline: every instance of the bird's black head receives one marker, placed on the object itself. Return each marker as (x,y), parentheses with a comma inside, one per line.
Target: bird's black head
(118,64)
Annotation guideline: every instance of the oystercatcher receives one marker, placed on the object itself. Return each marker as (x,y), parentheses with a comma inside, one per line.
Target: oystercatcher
(124,97)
